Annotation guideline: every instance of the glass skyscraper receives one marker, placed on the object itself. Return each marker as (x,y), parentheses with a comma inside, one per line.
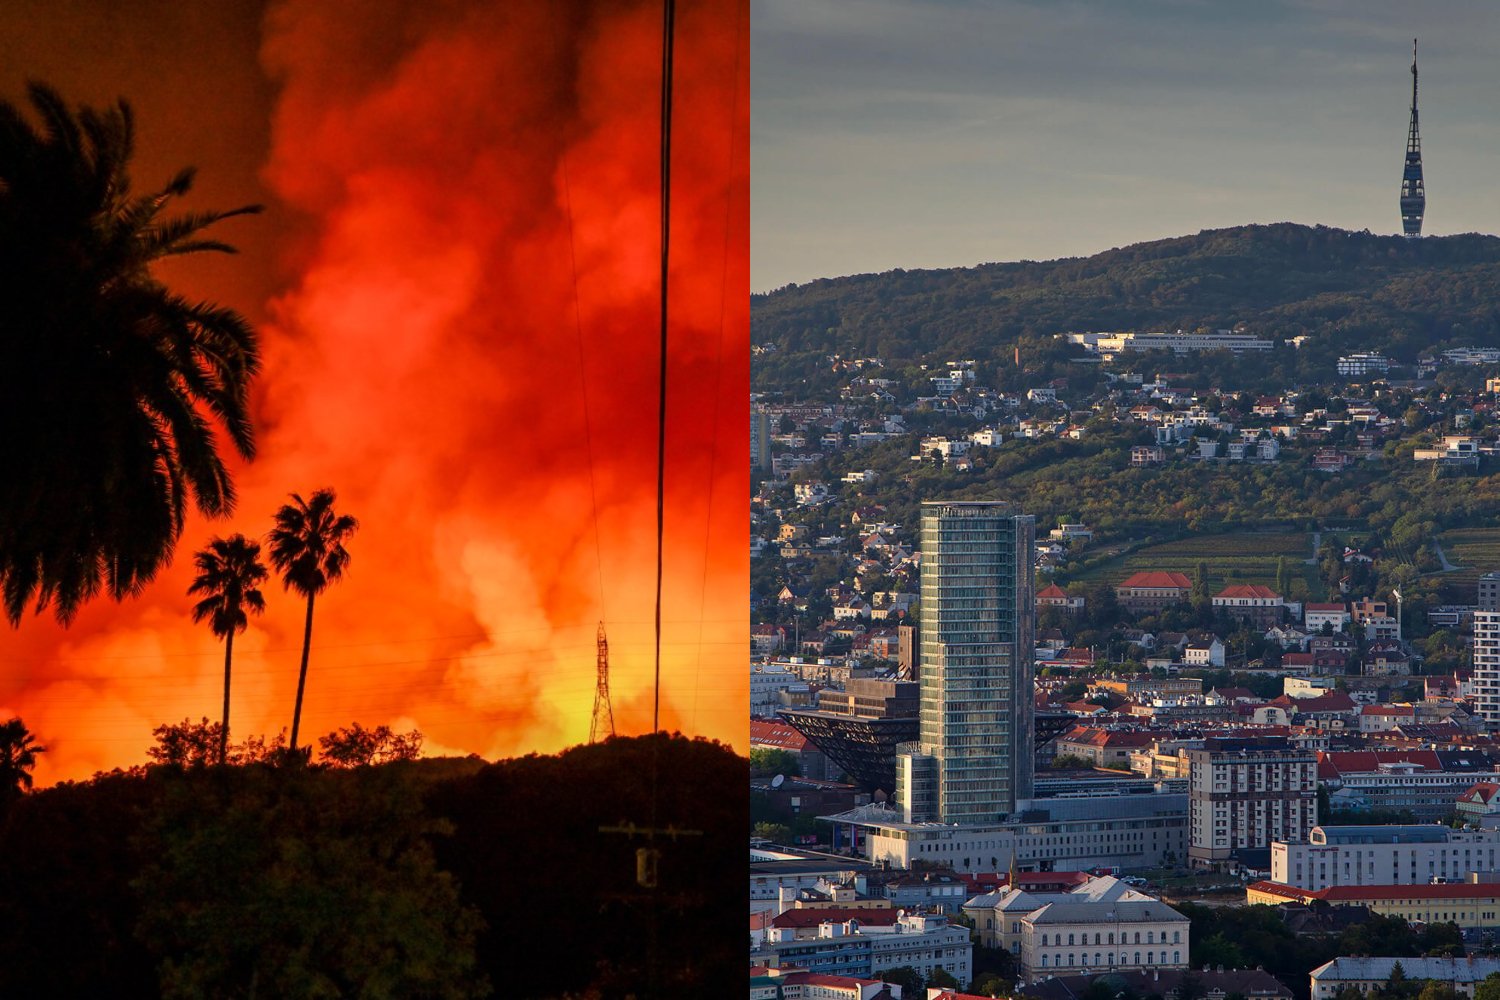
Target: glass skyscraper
(977,635)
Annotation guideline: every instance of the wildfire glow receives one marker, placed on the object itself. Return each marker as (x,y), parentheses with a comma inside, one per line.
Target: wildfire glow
(425,360)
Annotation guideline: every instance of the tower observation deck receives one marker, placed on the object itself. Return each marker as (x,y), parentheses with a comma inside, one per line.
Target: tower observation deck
(1413,195)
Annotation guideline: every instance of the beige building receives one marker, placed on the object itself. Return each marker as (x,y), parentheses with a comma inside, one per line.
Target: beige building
(1098,926)
(1470,905)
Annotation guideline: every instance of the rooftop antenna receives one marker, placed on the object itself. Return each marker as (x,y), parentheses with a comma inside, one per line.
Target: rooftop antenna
(1413,194)
(604,713)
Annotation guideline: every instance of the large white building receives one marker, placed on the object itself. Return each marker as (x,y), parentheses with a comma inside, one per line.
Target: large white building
(1487,666)
(1133,829)
(1373,972)
(1383,855)
(1109,344)
(1128,934)
(1097,926)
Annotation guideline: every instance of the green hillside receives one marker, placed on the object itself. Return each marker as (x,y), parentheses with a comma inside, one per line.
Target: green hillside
(1350,291)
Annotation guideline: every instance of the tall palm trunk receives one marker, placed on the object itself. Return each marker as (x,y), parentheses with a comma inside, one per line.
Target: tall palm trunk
(302,677)
(224,727)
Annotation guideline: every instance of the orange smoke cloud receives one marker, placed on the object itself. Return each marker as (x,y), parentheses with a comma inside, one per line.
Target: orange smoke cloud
(468,354)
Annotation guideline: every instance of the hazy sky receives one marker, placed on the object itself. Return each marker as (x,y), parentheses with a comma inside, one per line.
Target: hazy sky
(930,133)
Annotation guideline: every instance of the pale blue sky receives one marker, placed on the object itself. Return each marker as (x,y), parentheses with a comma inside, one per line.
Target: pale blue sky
(933,133)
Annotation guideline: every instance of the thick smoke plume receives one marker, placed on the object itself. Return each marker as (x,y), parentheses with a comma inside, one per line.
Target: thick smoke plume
(467,354)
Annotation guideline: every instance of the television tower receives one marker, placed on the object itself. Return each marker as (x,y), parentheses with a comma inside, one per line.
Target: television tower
(603,723)
(1413,197)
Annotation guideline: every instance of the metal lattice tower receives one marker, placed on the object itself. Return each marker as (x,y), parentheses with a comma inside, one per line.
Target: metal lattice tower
(603,724)
(1413,195)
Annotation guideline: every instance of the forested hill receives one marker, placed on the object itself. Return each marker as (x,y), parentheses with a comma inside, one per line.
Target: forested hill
(1348,290)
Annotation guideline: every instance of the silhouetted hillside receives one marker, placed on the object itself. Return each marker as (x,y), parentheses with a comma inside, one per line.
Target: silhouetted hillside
(429,878)
(1349,290)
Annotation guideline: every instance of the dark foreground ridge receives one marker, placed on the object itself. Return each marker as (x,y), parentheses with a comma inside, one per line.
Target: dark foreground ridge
(432,878)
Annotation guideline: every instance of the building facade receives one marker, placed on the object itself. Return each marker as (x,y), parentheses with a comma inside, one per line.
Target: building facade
(976,650)
(1382,855)
(1243,794)
(1489,592)
(1487,666)
(1372,972)
(1152,591)
(1129,934)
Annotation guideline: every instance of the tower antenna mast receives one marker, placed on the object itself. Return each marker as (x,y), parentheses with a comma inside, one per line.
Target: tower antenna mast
(603,724)
(1413,194)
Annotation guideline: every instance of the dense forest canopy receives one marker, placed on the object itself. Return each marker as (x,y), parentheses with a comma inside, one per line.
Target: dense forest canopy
(1347,290)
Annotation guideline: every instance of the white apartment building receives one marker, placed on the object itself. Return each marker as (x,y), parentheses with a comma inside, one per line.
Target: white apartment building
(1487,666)
(926,943)
(1383,855)
(1246,794)
(766,679)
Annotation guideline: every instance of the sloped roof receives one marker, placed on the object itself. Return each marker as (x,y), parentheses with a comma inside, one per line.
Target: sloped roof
(776,734)
(1254,590)
(1158,579)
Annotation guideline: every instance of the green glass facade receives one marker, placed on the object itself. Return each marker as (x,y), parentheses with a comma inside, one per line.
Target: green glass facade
(977,637)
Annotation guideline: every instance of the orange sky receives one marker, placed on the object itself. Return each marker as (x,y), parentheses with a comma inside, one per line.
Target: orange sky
(415,284)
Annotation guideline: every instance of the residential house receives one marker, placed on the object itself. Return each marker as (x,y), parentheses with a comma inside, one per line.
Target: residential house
(1054,596)
(1147,454)
(1315,616)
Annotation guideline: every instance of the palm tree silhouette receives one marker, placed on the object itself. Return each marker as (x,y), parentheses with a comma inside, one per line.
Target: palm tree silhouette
(307,549)
(18,752)
(111,385)
(229,573)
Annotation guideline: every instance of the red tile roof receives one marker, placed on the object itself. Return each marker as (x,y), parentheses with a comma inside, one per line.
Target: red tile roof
(823,979)
(1248,590)
(1359,761)
(1366,893)
(1158,580)
(776,734)
(1052,591)
(834,914)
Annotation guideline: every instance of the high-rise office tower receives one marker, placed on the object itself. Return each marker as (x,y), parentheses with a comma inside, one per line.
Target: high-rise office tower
(976,639)
(1413,195)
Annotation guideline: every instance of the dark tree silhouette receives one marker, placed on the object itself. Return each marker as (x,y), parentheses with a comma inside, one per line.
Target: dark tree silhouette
(307,549)
(229,575)
(361,747)
(18,750)
(110,383)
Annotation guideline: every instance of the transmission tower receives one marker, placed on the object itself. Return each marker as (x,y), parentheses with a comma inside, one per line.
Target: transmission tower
(603,724)
(1413,192)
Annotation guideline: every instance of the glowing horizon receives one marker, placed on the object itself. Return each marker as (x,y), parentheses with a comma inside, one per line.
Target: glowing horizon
(471,213)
